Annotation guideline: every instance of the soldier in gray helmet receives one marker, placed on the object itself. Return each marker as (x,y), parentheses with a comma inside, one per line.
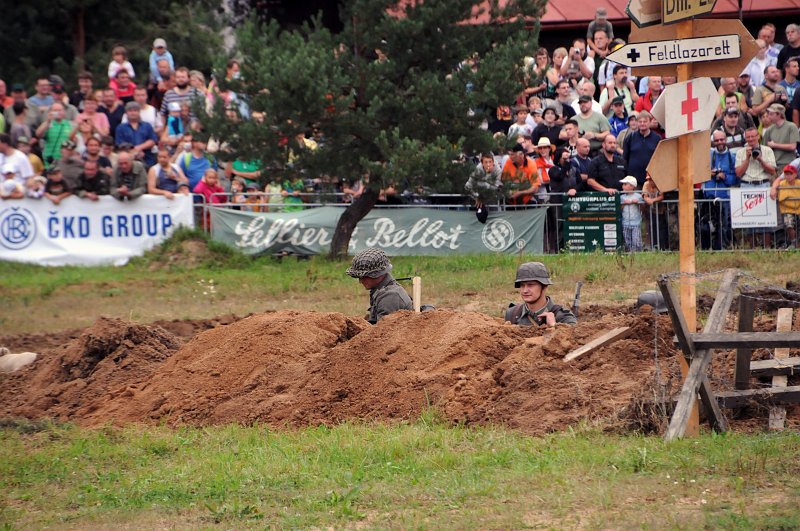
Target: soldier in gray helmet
(373,270)
(537,309)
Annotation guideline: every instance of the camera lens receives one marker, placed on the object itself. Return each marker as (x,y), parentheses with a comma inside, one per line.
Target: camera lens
(756,153)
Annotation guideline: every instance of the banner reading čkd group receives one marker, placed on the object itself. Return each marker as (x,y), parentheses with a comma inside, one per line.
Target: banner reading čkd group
(83,232)
(398,231)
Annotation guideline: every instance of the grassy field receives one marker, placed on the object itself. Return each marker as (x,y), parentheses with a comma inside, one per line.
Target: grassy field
(424,474)
(181,282)
(420,475)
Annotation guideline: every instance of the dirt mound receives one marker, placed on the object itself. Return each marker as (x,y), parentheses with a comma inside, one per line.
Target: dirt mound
(104,360)
(300,368)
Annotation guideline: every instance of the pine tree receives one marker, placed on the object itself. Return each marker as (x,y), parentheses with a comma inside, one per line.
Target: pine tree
(395,93)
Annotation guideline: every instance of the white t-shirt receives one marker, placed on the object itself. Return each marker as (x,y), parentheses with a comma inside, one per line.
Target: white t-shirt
(148,114)
(22,166)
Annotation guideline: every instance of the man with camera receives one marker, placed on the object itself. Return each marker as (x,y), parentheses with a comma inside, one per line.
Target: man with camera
(755,167)
(782,136)
(771,91)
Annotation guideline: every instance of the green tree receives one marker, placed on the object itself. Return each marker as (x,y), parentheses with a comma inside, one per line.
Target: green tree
(43,37)
(393,93)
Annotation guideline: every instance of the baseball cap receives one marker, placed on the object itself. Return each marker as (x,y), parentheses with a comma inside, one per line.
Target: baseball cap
(778,108)
(173,106)
(789,168)
(731,110)
(601,12)
(618,100)
(159,43)
(23,140)
(17,87)
(630,179)
(584,97)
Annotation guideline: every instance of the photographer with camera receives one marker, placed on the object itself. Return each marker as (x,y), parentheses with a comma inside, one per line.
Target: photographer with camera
(782,136)
(755,167)
(55,131)
(771,91)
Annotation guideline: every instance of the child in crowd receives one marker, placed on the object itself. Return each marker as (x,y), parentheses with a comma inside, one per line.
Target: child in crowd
(631,215)
(786,190)
(238,197)
(9,187)
(291,190)
(56,189)
(174,130)
(254,199)
(36,187)
(159,52)
(212,192)
(275,197)
(119,60)
(520,127)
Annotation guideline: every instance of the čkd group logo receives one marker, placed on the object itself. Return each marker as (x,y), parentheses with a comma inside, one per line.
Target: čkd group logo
(17,228)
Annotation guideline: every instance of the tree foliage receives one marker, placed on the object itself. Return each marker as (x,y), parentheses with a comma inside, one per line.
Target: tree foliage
(43,37)
(407,119)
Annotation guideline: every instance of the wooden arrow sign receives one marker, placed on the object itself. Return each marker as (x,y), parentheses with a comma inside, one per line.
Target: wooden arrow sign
(653,53)
(686,107)
(677,10)
(663,167)
(701,28)
(644,13)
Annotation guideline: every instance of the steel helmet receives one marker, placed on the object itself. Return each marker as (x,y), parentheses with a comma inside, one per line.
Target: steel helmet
(652,298)
(371,262)
(530,271)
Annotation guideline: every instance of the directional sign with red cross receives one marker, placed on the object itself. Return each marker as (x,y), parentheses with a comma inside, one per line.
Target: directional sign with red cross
(687,107)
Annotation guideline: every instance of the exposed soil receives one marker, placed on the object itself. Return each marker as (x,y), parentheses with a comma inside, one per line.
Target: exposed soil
(292,368)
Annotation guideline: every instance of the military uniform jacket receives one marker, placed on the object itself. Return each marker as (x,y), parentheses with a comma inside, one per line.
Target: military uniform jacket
(387,297)
(519,314)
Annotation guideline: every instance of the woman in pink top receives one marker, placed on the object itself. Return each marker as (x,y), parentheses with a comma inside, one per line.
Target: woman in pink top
(98,119)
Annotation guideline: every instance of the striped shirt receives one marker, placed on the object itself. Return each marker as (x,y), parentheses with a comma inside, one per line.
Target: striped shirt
(172,95)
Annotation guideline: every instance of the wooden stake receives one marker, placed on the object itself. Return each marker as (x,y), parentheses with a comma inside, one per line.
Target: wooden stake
(686,245)
(416,293)
(777,414)
(742,372)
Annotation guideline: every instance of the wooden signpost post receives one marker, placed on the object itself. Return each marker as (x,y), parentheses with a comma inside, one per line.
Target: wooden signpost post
(726,47)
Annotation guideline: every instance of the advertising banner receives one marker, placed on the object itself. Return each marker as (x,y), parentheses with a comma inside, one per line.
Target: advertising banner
(753,207)
(398,231)
(592,221)
(83,232)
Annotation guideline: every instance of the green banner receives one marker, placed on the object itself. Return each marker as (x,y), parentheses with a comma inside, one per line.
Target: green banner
(410,231)
(592,221)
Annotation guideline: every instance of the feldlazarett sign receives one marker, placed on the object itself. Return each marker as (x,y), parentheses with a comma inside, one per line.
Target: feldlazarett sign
(398,231)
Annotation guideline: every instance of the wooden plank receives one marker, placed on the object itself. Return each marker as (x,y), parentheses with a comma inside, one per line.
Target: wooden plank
(609,337)
(766,368)
(747,339)
(770,395)
(743,355)
(696,379)
(777,414)
(685,344)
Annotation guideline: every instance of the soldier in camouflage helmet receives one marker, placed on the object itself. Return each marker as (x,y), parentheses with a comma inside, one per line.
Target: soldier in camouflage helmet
(536,308)
(373,270)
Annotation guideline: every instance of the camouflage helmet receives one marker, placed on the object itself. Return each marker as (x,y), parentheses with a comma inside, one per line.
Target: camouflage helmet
(652,298)
(371,262)
(530,271)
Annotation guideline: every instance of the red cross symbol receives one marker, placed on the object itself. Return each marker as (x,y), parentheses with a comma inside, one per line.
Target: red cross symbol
(689,106)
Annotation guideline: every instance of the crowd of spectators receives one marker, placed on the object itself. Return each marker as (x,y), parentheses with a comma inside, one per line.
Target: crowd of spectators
(582,123)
